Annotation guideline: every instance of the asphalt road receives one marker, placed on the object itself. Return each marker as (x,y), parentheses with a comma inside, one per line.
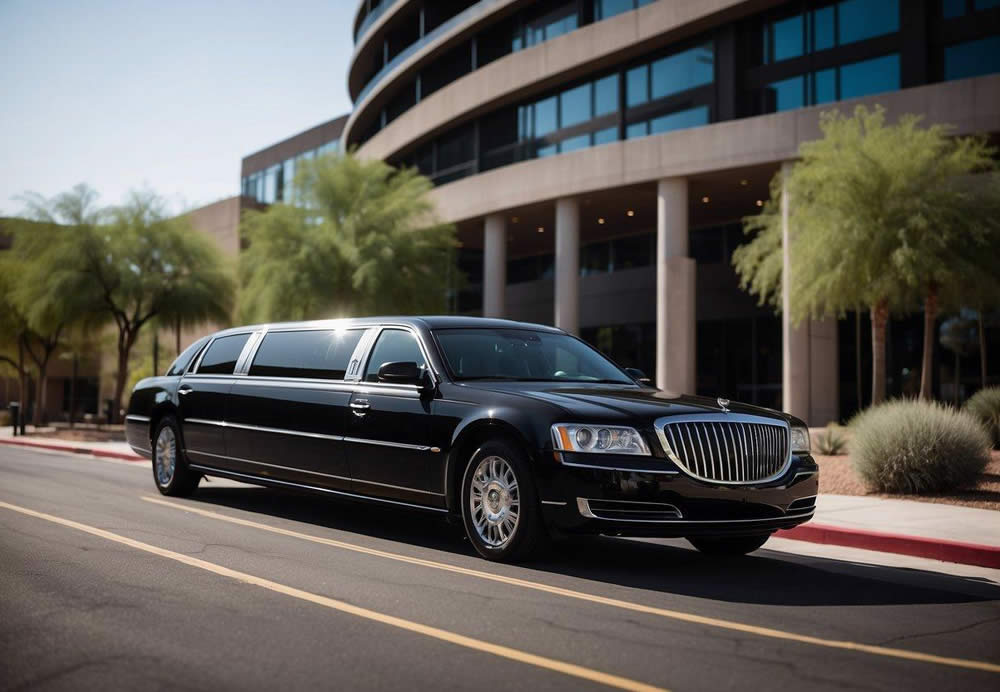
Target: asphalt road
(246,588)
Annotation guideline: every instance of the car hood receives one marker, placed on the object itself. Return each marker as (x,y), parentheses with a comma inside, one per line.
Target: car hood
(612,403)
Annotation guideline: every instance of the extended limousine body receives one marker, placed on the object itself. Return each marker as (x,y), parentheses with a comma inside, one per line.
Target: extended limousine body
(520,430)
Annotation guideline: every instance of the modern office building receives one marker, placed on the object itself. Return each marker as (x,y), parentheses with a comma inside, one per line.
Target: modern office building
(597,157)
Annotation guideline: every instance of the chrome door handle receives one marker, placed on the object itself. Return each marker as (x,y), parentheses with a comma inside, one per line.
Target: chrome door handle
(185,390)
(360,408)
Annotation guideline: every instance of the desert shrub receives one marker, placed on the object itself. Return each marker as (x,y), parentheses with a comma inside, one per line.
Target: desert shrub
(985,406)
(913,446)
(831,442)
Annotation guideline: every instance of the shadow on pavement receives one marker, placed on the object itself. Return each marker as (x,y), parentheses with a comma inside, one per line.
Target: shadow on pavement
(766,578)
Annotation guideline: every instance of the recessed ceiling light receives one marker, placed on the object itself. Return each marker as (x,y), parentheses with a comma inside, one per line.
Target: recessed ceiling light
(760,203)
(541,229)
(705,199)
(744,182)
(600,220)
(630,212)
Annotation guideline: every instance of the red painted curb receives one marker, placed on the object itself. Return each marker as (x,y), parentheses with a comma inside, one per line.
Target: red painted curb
(76,450)
(917,546)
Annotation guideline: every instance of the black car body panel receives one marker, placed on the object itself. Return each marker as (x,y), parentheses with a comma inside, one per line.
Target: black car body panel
(409,444)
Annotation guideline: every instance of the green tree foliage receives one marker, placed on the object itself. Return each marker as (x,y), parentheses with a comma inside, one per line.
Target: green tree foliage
(126,265)
(880,215)
(363,240)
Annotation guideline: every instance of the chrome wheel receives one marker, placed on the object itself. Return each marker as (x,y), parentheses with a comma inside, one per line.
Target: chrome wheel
(165,457)
(494,501)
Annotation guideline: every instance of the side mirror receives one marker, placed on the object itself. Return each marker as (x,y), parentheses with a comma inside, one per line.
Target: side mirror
(402,372)
(638,375)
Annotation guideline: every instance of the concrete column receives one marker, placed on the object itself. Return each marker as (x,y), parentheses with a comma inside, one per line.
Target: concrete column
(494,265)
(795,352)
(675,289)
(567,315)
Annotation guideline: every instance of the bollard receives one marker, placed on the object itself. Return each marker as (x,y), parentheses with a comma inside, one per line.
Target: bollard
(15,415)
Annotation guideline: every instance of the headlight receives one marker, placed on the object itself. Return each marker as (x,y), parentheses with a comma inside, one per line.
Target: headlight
(610,439)
(800,440)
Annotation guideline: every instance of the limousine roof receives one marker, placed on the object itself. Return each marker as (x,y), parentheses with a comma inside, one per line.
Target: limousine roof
(421,322)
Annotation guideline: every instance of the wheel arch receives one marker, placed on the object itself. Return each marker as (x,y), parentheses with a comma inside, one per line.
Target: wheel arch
(467,440)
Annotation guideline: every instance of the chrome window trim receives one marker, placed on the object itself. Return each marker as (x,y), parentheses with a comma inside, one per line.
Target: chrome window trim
(137,418)
(583,505)
(384,443)
(237,475)
(296,382)
(284,330)
(660,423)
(248,352)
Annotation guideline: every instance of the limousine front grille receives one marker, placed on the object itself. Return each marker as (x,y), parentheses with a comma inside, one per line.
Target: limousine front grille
(729,448)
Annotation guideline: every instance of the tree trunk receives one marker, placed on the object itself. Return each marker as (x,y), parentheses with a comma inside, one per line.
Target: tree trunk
(156,351)
(982,349)
(930,318)
(177,335)
(72,390)
(857,356)
(958,376)
(880,317)
(22,386)
(126,340)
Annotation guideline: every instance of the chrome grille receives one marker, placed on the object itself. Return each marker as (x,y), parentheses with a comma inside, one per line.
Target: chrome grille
(726,448)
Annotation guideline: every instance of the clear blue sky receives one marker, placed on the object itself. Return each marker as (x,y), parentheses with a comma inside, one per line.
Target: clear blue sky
(169,95)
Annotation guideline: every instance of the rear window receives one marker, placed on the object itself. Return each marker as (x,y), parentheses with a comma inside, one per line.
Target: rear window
(318,354)
(221,357)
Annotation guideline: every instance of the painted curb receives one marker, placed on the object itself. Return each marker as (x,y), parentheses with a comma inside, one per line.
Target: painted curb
(917,546)
(123,456)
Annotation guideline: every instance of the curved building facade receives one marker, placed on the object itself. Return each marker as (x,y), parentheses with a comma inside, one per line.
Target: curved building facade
(597,157)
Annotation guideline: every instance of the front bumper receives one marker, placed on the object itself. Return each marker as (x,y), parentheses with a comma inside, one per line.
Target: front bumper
(630,498)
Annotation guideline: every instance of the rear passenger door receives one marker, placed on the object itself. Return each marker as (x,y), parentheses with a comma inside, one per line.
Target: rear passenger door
(287,416)
(202,396)
(391,452)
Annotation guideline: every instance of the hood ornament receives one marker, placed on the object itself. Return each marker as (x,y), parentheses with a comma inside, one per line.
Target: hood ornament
(723,403)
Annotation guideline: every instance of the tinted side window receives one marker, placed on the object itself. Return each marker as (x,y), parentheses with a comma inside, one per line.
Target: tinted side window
(221,357)
(393,346)
(322,354)
(186,356)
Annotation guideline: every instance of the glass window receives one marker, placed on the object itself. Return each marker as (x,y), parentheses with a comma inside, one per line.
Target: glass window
(637,85)
(972,59)
(595,258)
(545,117)
(221,357)
(633,251)
(393,346)
(574,143)
(637,130)
(787,36)
(606,95)
(787,94)
(184,359)
(321,354)
(985,4)
(288,177)
(863,19)
(869,77)
(952,8)
(683,71)
(574,106)
(270,185)
(692,117)
(824,85)
(607,135)
(604,9)
(523,354)
(823,34)
(549,150)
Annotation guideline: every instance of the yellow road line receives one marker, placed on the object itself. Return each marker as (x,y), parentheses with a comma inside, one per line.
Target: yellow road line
(613,602)
(570,669)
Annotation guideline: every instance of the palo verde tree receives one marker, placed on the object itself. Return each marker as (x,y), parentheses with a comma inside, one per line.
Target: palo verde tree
(362,239)
(137,264)
(880,215)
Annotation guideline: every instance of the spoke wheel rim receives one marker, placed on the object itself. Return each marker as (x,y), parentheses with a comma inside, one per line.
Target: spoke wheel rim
(165,457)
(495,501)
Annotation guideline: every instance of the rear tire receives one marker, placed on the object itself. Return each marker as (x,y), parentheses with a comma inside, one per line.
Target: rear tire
(728,545)
(170,469)
(500,508)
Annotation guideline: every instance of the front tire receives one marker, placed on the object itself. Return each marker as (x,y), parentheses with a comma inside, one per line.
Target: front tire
(170,470)
(728,545)
(500,506)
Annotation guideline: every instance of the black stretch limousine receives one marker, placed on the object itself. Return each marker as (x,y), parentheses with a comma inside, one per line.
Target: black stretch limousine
(521,430)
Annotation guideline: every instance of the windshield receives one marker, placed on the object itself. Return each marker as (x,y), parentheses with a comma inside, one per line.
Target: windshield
(523,354)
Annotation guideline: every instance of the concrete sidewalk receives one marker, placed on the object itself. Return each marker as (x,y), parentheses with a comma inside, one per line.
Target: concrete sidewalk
(921,529)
